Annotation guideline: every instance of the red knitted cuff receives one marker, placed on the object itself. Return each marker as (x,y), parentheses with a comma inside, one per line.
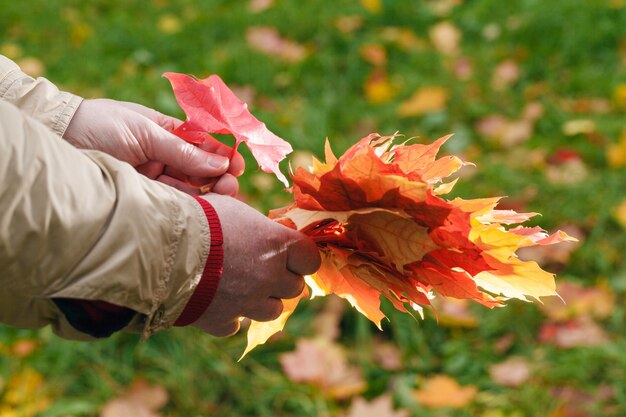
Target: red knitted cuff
(205,291)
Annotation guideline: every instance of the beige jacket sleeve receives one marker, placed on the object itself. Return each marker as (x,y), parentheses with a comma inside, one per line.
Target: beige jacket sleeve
(81,224)
(38,98)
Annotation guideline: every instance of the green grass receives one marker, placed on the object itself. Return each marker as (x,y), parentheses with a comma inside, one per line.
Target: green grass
(566,50)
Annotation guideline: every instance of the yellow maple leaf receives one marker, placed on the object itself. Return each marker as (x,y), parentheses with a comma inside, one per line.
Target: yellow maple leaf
(378,88)
(425,100)
(616,153)
(260,332)
(619,96)
(372,6)
(442,391)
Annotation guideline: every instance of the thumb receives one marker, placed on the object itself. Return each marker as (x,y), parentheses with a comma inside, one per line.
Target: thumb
(163,146)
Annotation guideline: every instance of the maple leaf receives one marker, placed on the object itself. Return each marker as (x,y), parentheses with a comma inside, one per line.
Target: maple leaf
(383,228)
(141,399)
(513,372)
(323,364)
(442,391)
(379,407)
(211,107)
(259,332)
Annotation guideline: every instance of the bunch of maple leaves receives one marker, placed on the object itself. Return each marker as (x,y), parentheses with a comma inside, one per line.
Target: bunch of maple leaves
(378,218)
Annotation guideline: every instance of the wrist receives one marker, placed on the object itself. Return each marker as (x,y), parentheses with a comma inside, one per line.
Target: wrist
(207,287)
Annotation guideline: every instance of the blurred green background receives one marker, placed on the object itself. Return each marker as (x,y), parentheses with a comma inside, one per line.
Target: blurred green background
(535,93)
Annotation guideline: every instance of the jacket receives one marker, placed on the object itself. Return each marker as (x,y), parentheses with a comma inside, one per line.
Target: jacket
(79,224)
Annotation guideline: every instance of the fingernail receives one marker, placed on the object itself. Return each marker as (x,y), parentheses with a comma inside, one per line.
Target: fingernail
(218,162)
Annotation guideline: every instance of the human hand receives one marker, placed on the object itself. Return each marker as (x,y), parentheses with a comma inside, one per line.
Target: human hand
(141,136)
(263,262)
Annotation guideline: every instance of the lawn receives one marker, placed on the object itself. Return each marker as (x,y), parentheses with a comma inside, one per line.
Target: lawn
(535,94)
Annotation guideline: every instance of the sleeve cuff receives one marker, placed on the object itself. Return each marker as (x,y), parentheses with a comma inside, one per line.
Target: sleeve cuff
(207,287)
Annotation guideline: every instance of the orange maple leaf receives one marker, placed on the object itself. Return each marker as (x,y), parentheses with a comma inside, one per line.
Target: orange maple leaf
(382,229)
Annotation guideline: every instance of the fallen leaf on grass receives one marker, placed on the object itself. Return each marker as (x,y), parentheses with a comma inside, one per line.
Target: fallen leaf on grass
(24,347)
(443,7)
(463,68)
(619,213)
(578,127)
(372,6)
(258,6)
(586,105)
(445,37)
(323,364)
(387,355)
(141,399)
(425,100)
(268,40)
(616,153)
(580,332)
(11,50)
(513,372)
(374,54)
(378,407)
(378,88)
(403,38)
(442,391)
(169,24)
(510,132)
(566,168)
(348,24)
(574,402)
(25,394)
(505,75)
(619,96)
(326,322)
(32,66)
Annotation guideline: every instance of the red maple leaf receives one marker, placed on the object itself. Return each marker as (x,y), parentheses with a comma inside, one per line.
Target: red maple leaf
(211,107)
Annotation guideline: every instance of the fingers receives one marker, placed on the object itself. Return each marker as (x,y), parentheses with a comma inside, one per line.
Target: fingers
(169,149)
(226,185)
(178,184)
(289,286)
(237,163)
(303,257)
(224,329)
(268,310)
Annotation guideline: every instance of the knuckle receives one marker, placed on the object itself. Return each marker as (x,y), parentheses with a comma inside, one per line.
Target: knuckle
(187,153)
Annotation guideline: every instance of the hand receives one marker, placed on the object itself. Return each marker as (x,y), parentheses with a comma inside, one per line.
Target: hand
(141,136)
(263,262)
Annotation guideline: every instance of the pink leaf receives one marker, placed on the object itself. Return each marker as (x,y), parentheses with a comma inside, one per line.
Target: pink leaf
(212,107)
